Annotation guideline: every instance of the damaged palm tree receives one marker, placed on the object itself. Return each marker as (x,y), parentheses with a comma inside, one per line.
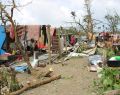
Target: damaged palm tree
(7,17)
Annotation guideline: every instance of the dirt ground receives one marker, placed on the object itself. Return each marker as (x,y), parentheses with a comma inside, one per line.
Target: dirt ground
(76,79)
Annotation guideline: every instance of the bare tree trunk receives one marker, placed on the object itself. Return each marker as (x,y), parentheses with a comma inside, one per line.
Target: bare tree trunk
(49,43)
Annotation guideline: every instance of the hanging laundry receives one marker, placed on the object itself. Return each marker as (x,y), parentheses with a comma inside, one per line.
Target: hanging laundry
(54,34)
(33,32)
(40,31)
(40,43)
(44,32)
(12,34)
(72,40)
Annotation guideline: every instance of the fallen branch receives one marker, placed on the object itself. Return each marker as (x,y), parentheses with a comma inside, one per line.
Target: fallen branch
(44,74)
(34,85)
(113,92)
(47,74)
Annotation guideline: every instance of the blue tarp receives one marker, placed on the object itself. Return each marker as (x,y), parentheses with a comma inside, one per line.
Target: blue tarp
(2,39)
(21,68)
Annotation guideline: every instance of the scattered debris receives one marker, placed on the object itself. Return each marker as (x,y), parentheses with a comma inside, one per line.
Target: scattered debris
(83,53)
(95,59)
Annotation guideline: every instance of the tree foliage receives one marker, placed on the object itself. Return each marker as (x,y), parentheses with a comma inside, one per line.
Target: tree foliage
(113,22)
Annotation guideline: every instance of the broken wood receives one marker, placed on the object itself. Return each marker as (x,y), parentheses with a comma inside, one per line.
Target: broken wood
(47,74)
(44,74)
(41,64)
(112,92)
(34,85)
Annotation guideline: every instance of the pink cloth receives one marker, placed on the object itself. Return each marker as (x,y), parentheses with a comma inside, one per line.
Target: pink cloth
(33,32)
(12,35)
(6,54)
(72,40)
(52,31)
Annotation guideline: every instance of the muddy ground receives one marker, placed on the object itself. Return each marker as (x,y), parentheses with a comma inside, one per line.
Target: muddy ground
(76,79)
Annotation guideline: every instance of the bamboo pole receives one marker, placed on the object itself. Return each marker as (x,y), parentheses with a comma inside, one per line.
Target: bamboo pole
(66,41)
(60,50)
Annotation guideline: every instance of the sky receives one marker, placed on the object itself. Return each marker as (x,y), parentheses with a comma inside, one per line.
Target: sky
(57,12)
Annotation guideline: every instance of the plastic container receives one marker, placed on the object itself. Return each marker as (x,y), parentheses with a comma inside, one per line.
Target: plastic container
(113,63)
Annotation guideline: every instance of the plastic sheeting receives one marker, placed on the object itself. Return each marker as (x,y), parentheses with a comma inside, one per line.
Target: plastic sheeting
(21,68)
(91,44)
(2,39)
(95,59)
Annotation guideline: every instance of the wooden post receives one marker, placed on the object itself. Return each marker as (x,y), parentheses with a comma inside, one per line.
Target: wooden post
(60,51)
(66,41)
(49,43)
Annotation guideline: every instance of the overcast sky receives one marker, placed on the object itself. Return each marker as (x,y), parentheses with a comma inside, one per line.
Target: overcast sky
(57,12)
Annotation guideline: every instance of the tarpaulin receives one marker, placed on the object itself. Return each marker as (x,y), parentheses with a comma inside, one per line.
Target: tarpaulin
(2,39)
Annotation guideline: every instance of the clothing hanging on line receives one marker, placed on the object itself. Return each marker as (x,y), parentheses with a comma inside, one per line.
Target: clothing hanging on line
(44,32)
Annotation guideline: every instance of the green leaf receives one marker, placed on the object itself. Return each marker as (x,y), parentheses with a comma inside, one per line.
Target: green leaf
(107,82)
(116,86)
